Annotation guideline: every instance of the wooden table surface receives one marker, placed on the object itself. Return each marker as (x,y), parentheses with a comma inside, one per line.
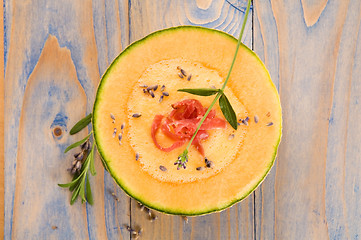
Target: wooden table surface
(54,53)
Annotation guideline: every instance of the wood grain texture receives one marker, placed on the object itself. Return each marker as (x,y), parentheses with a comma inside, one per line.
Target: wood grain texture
(54,53)
(27,27)
(312,51)
(2,193)
(37,170)
(110,21)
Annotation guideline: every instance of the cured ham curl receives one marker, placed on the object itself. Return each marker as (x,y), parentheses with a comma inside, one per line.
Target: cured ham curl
(182,123)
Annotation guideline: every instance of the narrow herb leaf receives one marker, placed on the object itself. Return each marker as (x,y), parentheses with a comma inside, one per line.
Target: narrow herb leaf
(70,184)
(75,195)
(81,124)
(74,145)
(91,159)
(200,91)
(80,184)
(82,190)
(74,186)
(66,185)
(228,111)
(89,196)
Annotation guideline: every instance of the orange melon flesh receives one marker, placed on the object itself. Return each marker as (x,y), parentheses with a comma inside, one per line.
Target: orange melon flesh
(240,163)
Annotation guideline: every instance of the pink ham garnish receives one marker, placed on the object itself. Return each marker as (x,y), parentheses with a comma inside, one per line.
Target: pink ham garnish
(182,123)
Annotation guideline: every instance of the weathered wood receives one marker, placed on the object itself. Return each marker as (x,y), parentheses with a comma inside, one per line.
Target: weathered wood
(110,20)
(27,27)
(265,39)
(312,49)
(54,53)
(2,123)
(39,165)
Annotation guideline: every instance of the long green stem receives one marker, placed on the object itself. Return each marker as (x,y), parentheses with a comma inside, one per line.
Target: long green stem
(238,44)
(219,94)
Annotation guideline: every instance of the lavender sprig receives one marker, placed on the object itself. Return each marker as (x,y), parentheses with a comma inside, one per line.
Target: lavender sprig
(80,185)
(182,160)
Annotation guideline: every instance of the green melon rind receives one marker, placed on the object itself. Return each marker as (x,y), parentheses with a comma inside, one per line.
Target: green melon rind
(118,179)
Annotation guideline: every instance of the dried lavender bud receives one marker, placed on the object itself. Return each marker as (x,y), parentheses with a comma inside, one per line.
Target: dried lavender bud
(73,163)
(200,168)
(120,136)
(153,218)
(79,156)
(136,115)
(189,77)
(155,87)
(151,93)
(183,72)
(209,164)
(85,146)
(112,116)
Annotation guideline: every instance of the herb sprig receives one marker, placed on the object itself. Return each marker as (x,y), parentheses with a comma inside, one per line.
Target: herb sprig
(224,103)
(80,185)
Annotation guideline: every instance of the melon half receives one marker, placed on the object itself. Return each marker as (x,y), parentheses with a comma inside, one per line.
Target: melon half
(241,158)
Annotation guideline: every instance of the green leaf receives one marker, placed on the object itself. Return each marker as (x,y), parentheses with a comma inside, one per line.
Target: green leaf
(81,124)
(74,186)
(75,195)
(89,196)
(65,185)
(200,91)
(70,184)
(74,145)
(91,159)
(228,111)
(82,189)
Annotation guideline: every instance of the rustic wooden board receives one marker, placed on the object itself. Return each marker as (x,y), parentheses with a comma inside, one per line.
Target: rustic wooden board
(2,124)
(312,49)
(70,30)
(54,53)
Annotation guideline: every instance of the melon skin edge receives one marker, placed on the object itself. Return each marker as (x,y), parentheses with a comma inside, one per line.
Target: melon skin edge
(117,178)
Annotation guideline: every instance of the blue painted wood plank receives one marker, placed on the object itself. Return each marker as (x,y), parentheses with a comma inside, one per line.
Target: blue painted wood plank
(342,172)
(44,121)
(312,50)
(111,36)
(352,173)
(27,27)
(265,40)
